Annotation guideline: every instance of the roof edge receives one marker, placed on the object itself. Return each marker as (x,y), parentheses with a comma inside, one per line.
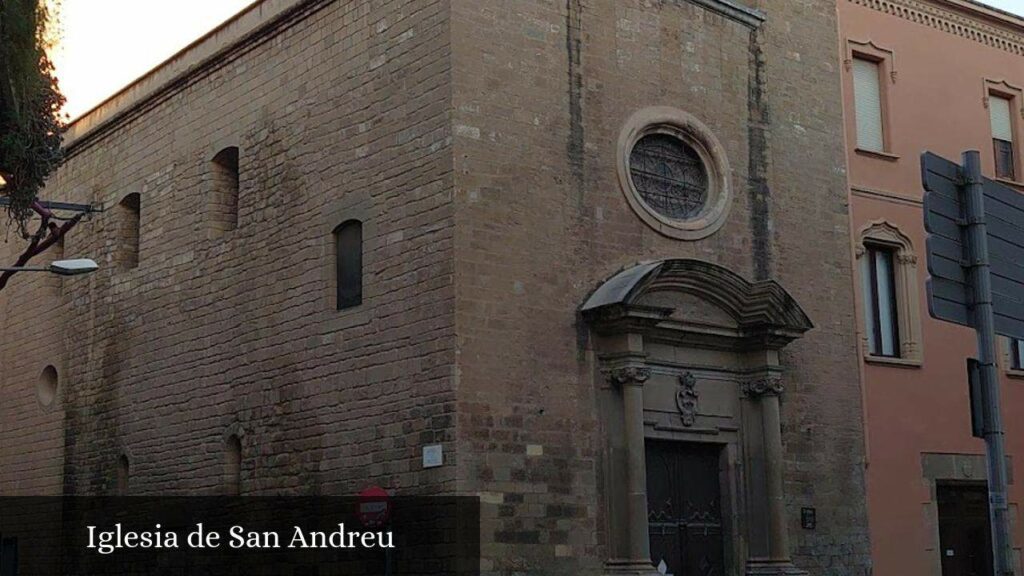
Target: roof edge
(252,22)
(982,11)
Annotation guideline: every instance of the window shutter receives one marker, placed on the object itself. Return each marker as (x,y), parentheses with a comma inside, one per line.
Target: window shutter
(1004,158)
(867,290)
(886,302)
(999,111)
(867,97)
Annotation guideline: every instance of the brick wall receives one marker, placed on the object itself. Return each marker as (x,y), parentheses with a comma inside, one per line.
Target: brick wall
(340,113)
(476,141)
(822,409)
(541,93)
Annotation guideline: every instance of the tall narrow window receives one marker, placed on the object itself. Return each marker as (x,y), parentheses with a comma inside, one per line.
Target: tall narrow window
(867,95)
(233,466)
(224,195)
(128,216)
(8,556)
(879,286)
(122,475)
(48,386)
(1002,136)
(348,253)
(1017,354)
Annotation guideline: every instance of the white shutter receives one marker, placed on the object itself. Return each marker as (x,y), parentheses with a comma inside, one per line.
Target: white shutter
(867,97)
(999,110)
(884,267)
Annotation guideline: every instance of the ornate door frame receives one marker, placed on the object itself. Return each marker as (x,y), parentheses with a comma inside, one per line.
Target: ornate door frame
(688,350)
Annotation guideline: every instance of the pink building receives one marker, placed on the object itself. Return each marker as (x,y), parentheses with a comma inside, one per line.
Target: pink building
(944,76)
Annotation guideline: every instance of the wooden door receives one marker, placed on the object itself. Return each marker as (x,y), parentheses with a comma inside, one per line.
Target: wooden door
(964,530)
(684,507)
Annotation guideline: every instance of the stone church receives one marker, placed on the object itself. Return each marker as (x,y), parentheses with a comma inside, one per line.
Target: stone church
(592,257)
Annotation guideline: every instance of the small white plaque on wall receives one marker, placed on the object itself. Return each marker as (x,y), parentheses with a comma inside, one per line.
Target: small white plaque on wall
(433,456)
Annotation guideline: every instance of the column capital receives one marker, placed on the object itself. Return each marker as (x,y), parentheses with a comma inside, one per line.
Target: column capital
(628,375)
(770,385)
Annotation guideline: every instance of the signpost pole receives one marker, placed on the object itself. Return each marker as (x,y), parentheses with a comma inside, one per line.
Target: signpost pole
(984,323)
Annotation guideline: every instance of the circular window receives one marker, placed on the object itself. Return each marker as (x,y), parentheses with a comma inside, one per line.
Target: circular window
(674,173)
(669,176)
(46,388)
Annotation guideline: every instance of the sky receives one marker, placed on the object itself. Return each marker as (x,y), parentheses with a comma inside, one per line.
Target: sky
(106,44)
(1014,6)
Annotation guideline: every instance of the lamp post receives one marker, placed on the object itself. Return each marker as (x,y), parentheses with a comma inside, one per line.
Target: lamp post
(60,267)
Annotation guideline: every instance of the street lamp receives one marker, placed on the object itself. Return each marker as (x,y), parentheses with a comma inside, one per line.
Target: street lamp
(60,267)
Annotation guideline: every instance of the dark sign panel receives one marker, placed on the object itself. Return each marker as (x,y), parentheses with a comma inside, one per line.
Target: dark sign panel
(1004,221)
(949,293)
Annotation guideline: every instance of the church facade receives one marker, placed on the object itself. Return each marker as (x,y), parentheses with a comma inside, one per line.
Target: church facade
(593,258)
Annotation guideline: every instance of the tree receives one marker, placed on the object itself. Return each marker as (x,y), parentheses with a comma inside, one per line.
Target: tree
(31,125)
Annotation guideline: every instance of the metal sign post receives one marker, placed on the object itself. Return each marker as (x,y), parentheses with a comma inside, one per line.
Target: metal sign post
(968,285)
(980,279)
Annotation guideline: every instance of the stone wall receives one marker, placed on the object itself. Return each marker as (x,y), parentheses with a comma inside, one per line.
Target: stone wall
(340,110)
(477,141)
(542,91)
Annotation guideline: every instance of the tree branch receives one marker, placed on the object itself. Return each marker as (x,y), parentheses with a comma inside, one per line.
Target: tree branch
(48,234)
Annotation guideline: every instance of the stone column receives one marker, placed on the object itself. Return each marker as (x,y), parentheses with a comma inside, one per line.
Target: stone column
(779,543)
(630,380)
(764,393)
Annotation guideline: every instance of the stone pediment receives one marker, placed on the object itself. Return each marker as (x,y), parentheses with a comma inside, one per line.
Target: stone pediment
(690,296)
(688,307)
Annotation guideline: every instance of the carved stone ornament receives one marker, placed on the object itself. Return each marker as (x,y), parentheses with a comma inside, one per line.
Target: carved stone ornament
(686,398)
(770,385)
(629,375)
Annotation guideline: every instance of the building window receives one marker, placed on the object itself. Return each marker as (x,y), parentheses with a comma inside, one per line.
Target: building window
(1016,354)
(348,254)
(889,289)
(999,109)
(224,193)
(867,95)
(123,471)
(9,556)
(669,176)
(880,309)
(674,173)
(233,466)
(129,221)
(47,387)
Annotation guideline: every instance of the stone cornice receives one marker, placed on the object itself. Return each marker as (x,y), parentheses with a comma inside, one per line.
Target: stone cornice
(755,306)
(953,22)
(734,11)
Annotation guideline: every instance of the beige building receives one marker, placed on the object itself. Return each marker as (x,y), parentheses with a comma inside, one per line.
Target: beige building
(596,251)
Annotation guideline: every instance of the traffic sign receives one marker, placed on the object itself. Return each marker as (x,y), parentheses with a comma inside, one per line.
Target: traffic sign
(374,507)
(975,253)
(950,296)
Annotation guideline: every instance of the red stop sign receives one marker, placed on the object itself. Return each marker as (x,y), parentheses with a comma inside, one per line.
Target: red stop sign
(374,507)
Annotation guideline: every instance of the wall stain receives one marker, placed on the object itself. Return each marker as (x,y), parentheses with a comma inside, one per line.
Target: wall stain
(574,146)
(758,191)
